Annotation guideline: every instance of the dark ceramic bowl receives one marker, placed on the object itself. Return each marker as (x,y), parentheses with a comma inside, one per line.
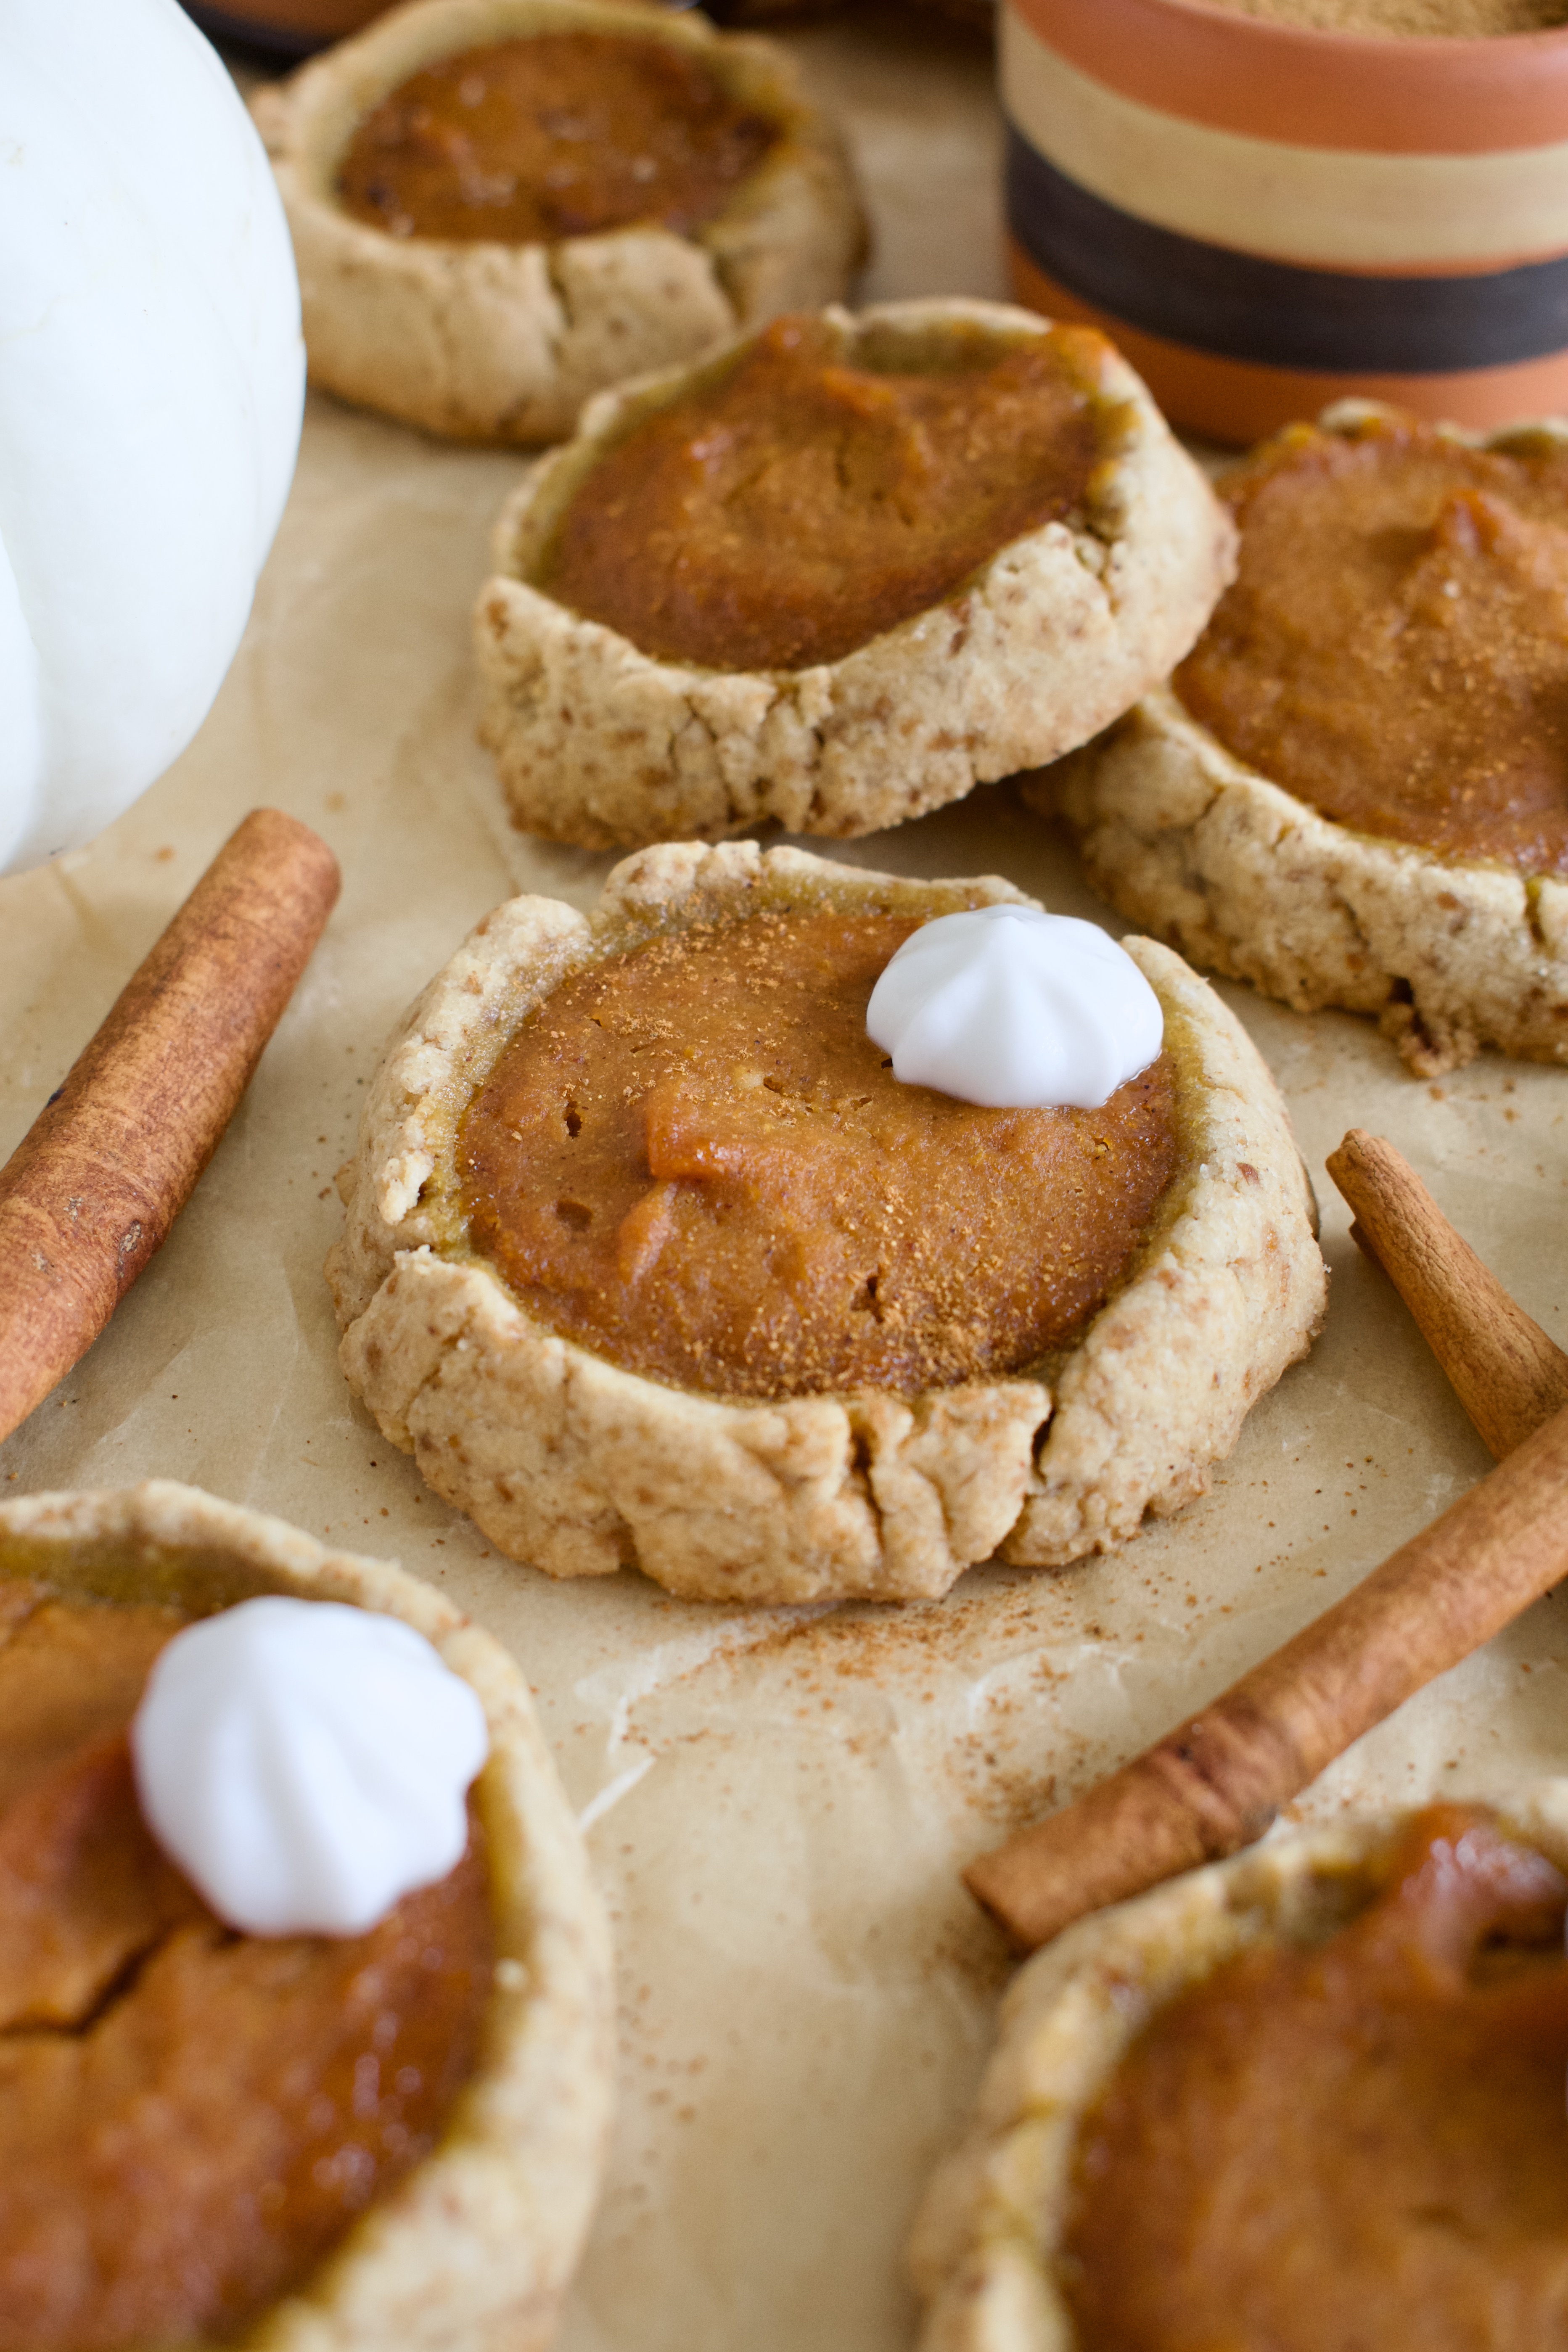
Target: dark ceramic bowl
(286,28)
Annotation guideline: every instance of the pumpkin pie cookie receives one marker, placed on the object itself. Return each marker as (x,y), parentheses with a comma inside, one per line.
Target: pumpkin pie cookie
(500,207)
(650,1260)
(1310,2098)
(1355,791)
(838,574)
(294,2143)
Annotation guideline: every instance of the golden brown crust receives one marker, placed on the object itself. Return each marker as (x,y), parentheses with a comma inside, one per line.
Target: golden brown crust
(499,342)
(1179,835)
(579,1468)
(474,2248)
(984,2242)
(597,742)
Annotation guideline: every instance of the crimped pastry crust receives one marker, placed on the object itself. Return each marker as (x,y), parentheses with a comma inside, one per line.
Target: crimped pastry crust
(569,1462)
(472,2250)
(504,342)
(599,743)
(986,2237)
(1180,835)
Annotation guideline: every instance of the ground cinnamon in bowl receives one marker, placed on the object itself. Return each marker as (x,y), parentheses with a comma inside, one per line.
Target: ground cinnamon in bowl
(1459,20)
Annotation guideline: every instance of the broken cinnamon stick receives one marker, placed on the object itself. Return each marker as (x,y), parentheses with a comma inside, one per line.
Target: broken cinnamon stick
(92,1188)
(1217,1783)
(1506,1372)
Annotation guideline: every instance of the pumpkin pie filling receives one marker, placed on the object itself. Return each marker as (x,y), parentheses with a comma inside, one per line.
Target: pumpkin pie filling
(693,1160)
(565,134)
(190,2118)
(797,505)
(1394,648)
(1363,2143)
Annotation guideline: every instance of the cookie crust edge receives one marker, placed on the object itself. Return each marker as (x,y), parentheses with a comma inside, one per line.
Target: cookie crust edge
(474,2247)
(987,2231)
(598,743)
(492,342)
(578,1468)
(1180,835)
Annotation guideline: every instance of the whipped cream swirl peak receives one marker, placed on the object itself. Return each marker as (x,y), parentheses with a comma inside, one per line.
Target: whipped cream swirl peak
(1015,1009)
(306,1764)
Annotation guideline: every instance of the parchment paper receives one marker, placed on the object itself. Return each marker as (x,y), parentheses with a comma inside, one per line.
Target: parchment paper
(779,1804)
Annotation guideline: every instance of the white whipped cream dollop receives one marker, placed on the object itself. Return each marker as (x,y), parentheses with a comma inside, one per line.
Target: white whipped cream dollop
(306,1764)
(1015,1009)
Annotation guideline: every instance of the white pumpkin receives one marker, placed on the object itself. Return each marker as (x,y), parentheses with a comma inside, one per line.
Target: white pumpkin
(152,382)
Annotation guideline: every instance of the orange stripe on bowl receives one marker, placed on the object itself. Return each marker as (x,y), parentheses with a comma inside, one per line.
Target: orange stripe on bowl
(1414,97)
(1239,401)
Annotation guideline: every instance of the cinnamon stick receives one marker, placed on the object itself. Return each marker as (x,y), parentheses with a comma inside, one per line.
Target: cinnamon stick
(1217,1783)
(92,1188)
(1508,1375)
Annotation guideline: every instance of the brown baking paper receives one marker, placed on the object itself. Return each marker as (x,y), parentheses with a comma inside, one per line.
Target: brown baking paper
(778,1804)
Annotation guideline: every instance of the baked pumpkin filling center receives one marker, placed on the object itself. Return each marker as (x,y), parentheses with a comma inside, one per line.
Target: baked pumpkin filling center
(799,504)
(565,134)
(693,1160)
(1360,2143)
(190,2118)
(1394,648)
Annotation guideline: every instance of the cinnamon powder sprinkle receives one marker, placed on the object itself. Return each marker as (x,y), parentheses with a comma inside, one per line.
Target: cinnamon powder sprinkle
(1395,647)
(694,1160)
(1452,19)
(558,135)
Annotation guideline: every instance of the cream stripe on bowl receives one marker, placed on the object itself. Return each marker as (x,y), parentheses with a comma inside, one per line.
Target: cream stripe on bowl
(1338,209)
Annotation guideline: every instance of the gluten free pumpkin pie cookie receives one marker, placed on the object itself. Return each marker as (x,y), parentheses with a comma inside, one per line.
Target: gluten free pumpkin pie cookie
(652,1259)
(1309,2098)
(500,207)
(1355,791)
(387,2133)
(837,575)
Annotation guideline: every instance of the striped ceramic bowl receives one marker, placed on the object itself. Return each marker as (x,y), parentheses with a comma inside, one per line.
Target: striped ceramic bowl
(1266,219)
